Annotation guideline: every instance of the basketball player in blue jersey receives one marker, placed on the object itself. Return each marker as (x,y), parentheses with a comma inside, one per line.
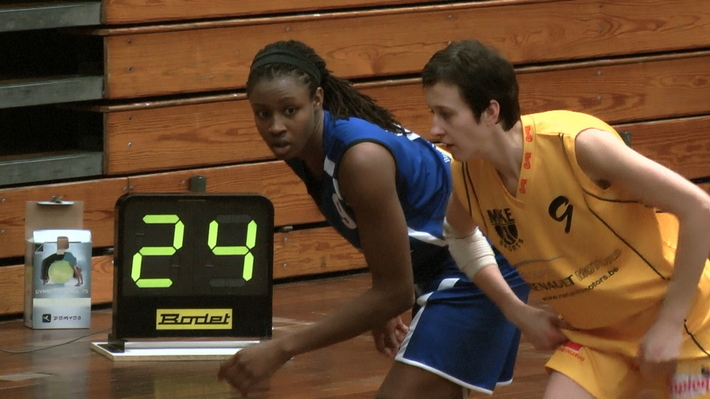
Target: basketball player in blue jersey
(385,190)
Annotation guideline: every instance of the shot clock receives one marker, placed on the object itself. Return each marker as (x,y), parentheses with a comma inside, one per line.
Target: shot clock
(192,265)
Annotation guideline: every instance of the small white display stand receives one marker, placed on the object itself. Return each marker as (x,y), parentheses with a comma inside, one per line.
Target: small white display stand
(170,350)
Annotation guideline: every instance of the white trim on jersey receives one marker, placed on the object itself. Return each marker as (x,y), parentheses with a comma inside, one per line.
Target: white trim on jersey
(425,237)
(329,167)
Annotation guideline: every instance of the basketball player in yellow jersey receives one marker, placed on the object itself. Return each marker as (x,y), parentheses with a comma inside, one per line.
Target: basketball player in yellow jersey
(575,211)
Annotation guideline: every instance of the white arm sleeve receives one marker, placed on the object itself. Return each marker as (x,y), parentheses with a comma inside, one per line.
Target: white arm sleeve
(471,253)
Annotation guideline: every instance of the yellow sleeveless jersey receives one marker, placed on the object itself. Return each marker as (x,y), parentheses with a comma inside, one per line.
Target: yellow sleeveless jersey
(596,257)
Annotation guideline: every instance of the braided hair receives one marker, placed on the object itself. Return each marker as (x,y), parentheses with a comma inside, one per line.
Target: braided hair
(341,98)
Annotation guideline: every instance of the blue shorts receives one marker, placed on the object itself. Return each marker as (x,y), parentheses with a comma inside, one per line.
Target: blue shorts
(461,335)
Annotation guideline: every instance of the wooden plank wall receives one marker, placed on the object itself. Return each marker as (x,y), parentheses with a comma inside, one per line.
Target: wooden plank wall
(174,104)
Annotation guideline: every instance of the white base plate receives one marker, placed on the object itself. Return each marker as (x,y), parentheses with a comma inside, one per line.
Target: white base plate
(171,350)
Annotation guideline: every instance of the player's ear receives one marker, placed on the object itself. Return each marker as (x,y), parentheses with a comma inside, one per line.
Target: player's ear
(318,99)
(491,114)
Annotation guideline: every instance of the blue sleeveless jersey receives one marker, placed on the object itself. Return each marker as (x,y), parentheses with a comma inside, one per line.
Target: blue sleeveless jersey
(423,182)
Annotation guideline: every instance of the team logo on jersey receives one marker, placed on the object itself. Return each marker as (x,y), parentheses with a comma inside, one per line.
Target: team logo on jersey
(561,210)
(523,183)
(528,134)
(526,162)
(504,224)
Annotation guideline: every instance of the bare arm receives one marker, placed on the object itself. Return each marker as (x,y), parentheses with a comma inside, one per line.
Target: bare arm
(541,327)
(606,159)
(488,279)
(367,182)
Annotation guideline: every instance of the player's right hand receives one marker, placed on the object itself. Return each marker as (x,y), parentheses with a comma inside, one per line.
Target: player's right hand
(389,336)
(543,328)
(251,366)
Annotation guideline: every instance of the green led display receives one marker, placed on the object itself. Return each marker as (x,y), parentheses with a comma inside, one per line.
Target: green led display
(235,250)
(137,264)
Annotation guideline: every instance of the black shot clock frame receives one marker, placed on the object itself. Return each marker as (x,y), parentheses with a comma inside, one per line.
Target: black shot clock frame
(191,265)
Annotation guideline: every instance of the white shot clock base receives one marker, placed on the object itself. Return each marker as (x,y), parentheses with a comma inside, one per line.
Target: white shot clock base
(171,350)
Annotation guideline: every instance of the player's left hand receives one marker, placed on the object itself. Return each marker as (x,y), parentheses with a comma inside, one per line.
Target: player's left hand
(389,336)
(251,366)
(659,351)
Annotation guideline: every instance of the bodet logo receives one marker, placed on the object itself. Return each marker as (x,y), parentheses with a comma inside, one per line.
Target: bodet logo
(193,319)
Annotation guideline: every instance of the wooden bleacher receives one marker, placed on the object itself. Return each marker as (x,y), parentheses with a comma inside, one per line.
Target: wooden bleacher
(170,103)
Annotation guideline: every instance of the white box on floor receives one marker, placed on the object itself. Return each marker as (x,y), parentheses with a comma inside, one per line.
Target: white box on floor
(57,267)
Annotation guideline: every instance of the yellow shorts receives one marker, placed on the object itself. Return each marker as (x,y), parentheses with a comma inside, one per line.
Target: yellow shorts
(692,379)
(613,376)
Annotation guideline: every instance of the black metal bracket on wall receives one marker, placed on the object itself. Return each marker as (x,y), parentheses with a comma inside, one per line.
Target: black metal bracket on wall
(626,136)
(198,184)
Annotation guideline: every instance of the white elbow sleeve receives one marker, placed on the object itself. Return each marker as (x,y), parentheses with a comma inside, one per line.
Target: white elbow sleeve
(471,253)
